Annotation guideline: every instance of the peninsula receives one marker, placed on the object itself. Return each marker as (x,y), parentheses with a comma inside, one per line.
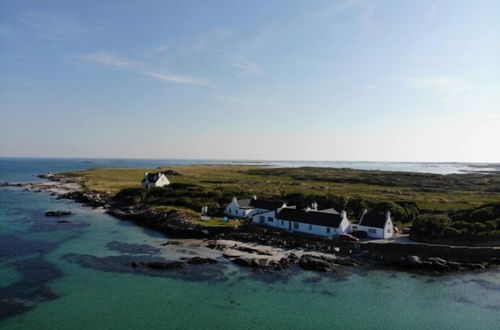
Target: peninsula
(454,218)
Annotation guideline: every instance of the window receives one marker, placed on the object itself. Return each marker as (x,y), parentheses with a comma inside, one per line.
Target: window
(328,230)
(373,231)
(388,230)
(310,227)
(282,222)
(230,211)
(295,225)
(236,212)
(269,219)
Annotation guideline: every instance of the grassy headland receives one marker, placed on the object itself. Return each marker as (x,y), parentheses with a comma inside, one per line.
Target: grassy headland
(407,195)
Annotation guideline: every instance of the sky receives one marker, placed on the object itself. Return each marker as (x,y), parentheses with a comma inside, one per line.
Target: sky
(338,80)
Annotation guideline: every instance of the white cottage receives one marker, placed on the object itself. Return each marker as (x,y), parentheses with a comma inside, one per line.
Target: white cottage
(376,225)
(151,180)
(246,208)
(325,223)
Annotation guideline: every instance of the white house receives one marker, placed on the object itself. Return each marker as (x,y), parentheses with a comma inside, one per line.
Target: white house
(246,208)
(151,180)
(325,223)
(375,225)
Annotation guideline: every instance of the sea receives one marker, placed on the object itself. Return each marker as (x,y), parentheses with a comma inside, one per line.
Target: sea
(52,275)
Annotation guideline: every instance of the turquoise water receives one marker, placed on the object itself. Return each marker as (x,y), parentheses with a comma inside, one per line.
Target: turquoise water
(58,293)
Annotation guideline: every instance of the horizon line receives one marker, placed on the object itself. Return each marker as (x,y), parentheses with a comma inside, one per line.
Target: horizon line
(249,160)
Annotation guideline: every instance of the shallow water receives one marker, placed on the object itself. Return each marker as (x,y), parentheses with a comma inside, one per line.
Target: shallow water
(43,276)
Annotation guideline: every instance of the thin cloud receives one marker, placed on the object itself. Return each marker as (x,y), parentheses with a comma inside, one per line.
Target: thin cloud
(50,27)
(246,66)
(175,78)
(211,40)
(107,59)
(113,60)
(439,84)
(363,9)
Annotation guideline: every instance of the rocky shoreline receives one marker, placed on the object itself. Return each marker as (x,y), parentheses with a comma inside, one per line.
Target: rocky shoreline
(268,249)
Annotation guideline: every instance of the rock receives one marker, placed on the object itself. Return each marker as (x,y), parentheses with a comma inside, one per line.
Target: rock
(437,260)
(413,260)
(57,213)
(310,262)
(200,261)
(243,261)
(164,265)
(171,243)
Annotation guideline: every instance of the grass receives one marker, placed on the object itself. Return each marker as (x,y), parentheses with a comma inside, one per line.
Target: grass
(431,192)
(216,222)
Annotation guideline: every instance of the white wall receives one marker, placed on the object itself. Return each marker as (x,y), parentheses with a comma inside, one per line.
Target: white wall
(314,229)
(373,232)
(162,181)
(233,210)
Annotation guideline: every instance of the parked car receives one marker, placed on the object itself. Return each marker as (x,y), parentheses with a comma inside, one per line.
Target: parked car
(348,238)
(359,234)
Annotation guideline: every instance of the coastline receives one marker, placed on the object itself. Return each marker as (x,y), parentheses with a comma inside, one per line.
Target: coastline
(268,249)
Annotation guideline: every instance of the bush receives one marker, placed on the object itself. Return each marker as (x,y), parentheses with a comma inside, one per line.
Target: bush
(130,195)
(398,213)
(430,224)
(483,214)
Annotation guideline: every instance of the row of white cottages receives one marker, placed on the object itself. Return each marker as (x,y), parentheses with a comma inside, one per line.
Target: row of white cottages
(325,223)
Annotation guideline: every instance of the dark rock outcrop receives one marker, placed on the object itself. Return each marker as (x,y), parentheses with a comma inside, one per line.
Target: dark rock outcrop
(57,213)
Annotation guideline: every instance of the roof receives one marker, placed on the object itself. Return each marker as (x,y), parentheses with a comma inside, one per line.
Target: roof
(244,203)
(259,204)
(265,204)
(152,177)
(371,219)
(330,210)
(319,218)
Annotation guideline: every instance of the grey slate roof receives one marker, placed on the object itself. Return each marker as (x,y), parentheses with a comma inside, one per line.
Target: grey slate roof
(371,219)
(265,204)
(319,218)
(152,177)
(244,203)
(330,210)
(259,204)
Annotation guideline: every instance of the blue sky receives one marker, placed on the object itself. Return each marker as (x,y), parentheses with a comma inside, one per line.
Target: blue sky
(291,80)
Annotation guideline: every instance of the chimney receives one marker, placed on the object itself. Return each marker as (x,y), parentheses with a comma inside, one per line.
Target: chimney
(235,200)
(254,197)
(365,211)
(388,214)
(343,214)
(146,174)
(314,206)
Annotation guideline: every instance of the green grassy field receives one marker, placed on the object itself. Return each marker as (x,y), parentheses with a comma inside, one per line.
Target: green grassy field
(431,192)
(442,206)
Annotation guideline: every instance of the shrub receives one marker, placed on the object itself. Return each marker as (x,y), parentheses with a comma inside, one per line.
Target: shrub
(130,195)
(430,224)
(398,213)
(482,214)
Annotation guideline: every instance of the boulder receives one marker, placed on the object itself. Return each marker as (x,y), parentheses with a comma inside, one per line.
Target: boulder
(200,261)
(57,213)
(309,262)
(164,265)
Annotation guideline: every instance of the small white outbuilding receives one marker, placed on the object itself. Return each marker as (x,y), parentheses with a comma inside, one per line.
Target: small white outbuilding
(375,225)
